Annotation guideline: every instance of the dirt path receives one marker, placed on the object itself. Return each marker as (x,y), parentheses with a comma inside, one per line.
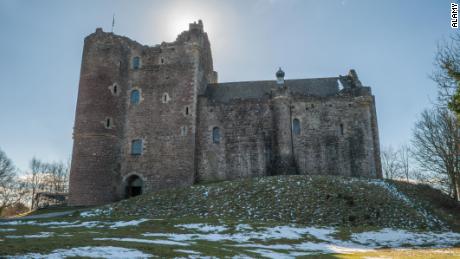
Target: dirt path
(43,216)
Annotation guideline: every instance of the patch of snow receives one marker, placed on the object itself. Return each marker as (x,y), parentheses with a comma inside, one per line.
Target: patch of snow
(278,232)
(16,222)
(429,218)
(271,254)
(86,224)
(313,248)
(96,212)
(147,241)
(190,252)
(88,251)
(243,227)
(119,224)
(397,238)
(39,235)
(203,227)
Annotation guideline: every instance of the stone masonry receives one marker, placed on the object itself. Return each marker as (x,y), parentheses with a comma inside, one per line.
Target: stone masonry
(150,118)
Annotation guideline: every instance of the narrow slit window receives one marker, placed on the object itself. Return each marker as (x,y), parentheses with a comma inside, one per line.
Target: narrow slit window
(165,98)
(135,97)
(108,123)
(216,135)
(341,129)
(162,60)
(136,147)
(115,89)
(136,62)
(296,126)
(186,111)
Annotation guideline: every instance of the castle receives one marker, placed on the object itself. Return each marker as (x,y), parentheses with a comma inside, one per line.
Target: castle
(150,118)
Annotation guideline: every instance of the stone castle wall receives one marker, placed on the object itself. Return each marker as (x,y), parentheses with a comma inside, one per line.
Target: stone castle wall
(180,106)
(336,137)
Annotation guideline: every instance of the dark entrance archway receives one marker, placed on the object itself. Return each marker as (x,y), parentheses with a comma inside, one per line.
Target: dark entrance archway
(133,186)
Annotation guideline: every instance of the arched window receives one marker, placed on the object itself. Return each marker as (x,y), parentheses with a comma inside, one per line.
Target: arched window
(115,89)
(296,126)
(136,147)
(136,62)
(216,135)
(135,96)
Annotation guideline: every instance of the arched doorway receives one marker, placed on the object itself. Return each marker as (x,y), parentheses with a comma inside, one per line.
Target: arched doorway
(133,186)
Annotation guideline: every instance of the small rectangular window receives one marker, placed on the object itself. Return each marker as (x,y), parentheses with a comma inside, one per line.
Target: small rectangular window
(136,63)
(136,147)
(216,135)
(135,97)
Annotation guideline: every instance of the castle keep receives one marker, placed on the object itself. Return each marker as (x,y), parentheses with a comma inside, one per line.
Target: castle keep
(150,118)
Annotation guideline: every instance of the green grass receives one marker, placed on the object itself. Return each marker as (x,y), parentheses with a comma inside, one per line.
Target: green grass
(82,236)
(312,200)
(260,203)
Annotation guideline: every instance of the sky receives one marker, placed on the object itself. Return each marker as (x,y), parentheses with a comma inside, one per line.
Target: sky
(390,43)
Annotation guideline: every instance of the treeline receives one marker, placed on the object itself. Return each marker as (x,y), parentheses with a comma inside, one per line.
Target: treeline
(433,155)
(19,189)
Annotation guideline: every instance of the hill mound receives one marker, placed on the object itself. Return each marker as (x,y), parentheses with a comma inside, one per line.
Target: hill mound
(312,200)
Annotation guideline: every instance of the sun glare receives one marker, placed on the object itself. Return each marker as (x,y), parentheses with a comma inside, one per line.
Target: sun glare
(178,17)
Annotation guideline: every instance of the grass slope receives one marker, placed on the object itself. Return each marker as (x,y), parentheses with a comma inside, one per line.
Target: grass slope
(311,200)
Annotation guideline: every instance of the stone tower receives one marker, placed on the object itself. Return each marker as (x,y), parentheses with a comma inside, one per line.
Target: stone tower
(283,161)
(136,115)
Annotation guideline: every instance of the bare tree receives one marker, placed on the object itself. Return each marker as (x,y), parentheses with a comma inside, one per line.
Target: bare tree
(56,177)
(404,162)
(447,73)
(11,189)
(390,163)
(436,147)
(7,170)
(35,179)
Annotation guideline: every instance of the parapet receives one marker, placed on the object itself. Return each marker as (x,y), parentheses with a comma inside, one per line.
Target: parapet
(196,26)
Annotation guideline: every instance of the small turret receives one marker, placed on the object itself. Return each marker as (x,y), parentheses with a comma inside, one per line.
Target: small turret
(196,26)
(354,78)
(280,77)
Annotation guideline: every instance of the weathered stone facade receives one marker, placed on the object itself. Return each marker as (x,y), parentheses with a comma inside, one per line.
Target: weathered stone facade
(150,118)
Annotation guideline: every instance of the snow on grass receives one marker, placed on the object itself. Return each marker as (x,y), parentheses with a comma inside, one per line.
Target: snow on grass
(243,227)
(88,251)
(16,223)
(278,232)
(203,227)
(312,248)
(76,224)
(38,235)
(429,218)
(397,238)
(312,240)
(96,212)
(147,241)
(190,252)
(119,224)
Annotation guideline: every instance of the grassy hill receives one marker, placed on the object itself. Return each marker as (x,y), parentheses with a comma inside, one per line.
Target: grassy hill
(270,217)
(311,200)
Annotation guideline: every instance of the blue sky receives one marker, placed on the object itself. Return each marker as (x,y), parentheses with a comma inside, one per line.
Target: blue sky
(391,44)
